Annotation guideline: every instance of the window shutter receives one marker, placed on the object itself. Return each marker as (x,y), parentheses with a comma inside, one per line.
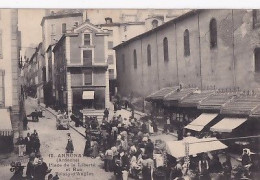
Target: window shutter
(110,59)
(88,77)
(64,28)
(86,39)
(110,44)
(87,57)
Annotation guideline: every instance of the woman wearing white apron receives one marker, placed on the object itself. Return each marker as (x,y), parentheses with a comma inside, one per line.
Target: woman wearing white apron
(150,127)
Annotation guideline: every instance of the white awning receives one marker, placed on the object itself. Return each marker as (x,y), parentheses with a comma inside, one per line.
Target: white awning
(5,123)
(228,124)
(195,146)
(88,95)
(200,122)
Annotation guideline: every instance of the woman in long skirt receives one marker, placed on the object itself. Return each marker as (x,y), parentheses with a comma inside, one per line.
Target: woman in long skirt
(69,147)
(87,149)
(150,127)
(94,149)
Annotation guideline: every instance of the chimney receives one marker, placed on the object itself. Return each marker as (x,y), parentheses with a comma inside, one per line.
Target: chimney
(87,20)
(108,20)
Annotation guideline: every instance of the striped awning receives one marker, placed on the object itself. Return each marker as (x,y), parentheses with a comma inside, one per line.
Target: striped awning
(5,123)
(200,122)
(228,124)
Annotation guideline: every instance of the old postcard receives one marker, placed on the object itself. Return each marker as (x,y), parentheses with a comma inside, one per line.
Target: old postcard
(117,94)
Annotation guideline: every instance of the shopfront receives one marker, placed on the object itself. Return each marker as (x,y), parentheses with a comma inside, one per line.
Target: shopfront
(6,131)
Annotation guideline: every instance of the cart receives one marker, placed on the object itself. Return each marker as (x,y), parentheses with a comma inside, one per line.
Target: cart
(62,122)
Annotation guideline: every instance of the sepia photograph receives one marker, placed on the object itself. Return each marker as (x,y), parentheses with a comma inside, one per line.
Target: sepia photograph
(129,94)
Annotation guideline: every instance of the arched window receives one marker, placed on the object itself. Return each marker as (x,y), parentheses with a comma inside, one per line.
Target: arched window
(135,60)
(186,37)
(165,49)
(213,33)
(149,56)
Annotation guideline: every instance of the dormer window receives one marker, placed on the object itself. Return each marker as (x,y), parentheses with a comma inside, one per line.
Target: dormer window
(155,23)
(108,20)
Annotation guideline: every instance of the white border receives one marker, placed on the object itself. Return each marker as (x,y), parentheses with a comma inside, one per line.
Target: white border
(108,4)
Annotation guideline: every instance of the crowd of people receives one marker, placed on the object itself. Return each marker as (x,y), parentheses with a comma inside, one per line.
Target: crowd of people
(31,143)
(124,144)
(127,150)
(36,168)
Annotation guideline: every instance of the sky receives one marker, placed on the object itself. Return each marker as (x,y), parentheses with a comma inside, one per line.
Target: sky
(29,23)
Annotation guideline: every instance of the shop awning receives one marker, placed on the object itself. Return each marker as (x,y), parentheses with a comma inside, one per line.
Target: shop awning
(88,95)
(195,146)
(5,123)
(228,124)
(200,122)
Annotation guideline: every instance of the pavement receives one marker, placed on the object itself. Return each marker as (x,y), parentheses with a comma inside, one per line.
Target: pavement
(53,143)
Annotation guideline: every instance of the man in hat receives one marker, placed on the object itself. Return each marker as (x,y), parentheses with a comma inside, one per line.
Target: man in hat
(41,170)
(149,149)
(28,144)
(106,113)
(118,170)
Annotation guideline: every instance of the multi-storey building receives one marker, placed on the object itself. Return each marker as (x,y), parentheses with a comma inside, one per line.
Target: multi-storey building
(80,67)
(217,48)
(11,104)
(54,25)
(34,73)
(126,24)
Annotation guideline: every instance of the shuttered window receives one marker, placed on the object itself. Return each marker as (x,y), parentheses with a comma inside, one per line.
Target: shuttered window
(110,44)
(87,57)
(86,39)
(88,77)
(2,97)
(110,59)
(63,28)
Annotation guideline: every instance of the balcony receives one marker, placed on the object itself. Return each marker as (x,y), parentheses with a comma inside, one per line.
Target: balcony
(88,65)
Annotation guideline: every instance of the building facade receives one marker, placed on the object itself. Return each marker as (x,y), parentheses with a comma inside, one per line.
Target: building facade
(80,67)
(202,48)
(34,74)
(11,103)
(123,25)
(54,25)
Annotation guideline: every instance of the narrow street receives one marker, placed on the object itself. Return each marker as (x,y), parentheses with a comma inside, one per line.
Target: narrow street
(53,143)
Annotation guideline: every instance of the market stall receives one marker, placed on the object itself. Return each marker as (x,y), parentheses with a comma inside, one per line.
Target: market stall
(178,149)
